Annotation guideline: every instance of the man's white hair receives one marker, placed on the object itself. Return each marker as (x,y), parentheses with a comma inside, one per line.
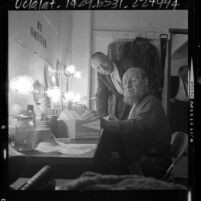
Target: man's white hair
(135,71)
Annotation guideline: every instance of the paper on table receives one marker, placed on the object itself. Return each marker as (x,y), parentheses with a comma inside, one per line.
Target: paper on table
(13,152)
(94,125)
(70,149)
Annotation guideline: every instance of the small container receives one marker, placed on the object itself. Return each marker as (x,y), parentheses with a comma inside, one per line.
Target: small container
(30,109)
(24,133)
(42,133)
(52,119)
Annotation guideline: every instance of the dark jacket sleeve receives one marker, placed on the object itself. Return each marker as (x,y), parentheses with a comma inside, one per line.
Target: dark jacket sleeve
(102,96)
(141,133)
(174,85)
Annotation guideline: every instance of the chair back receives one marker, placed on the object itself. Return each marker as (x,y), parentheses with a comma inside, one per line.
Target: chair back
(179,144)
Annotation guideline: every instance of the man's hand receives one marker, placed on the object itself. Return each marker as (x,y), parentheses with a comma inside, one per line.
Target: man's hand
(110,125)
(110,117)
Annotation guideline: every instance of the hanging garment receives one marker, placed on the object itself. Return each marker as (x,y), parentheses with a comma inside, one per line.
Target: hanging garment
(143,54)
(115,48)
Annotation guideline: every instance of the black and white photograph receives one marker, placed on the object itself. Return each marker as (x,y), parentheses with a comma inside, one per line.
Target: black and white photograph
(99,100)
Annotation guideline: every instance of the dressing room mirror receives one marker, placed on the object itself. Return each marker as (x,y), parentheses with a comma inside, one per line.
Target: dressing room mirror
(178,80)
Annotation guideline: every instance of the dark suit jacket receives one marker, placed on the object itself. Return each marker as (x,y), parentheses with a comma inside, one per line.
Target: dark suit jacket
(143,139)
(147,128)
(108,100)
(174,85)
(146,136)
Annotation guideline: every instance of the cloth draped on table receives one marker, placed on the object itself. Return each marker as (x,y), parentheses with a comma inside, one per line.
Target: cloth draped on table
(95,181)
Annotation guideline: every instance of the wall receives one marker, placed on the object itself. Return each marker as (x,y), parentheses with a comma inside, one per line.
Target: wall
(81,50)
(68,35)
(140,20)
(179,52)
(27,56)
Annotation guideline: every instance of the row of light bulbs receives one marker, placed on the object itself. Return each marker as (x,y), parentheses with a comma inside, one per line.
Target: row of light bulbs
(24,85)
(70,71)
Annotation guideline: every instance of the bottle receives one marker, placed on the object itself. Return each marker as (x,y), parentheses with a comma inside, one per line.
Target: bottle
(30,109)
(24,133)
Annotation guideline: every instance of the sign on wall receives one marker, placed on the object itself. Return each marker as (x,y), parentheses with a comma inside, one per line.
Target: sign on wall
(37,34)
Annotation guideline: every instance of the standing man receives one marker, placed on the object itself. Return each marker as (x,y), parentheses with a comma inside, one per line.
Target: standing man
(179,101)
(109,96)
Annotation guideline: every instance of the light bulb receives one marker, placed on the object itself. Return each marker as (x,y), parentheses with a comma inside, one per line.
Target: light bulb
(76,98)
(77,75)
(69,96)
(22,84)
(70,69)
(54,93)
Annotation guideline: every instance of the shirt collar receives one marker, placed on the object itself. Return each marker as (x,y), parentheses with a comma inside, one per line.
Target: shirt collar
(115,71)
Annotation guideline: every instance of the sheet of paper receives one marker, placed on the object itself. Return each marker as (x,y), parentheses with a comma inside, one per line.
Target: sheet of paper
(94,125)
(70,149)
(13,152)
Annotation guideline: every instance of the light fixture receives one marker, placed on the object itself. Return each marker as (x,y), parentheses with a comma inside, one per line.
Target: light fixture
(77,74)
(70,69)
(54,93)
(22,85)
(76,98)
(71,72)
(70,96)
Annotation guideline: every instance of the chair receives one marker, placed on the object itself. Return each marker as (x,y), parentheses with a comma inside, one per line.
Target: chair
(179,143)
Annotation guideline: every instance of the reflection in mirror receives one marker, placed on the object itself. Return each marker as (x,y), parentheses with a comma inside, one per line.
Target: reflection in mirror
(38,92)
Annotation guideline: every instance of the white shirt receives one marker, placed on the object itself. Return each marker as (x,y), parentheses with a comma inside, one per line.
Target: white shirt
(116,79)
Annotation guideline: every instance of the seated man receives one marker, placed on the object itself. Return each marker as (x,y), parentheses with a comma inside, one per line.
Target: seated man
(143,140)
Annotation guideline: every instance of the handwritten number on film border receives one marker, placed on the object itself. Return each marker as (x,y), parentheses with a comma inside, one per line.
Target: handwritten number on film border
(84,3)
(145,3)
(116,3)
(175,4)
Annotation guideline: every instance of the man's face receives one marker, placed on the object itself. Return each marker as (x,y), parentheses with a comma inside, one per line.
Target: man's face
(134,88)
(184,73)
(102,65)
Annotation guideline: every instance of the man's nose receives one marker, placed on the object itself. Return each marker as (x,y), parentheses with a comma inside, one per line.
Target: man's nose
(129,83)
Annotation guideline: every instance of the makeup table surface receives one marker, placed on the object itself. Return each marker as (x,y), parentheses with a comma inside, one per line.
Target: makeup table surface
(63,166)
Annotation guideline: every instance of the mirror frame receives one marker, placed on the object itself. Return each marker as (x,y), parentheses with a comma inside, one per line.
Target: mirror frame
(172,31)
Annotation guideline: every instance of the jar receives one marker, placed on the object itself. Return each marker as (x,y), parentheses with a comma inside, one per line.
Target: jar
(24,133)
(42,133)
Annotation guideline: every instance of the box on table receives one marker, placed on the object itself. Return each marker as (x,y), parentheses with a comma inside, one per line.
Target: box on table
(79,129)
